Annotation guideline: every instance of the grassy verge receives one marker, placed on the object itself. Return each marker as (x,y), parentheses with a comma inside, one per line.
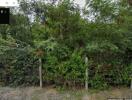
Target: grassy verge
(48,93)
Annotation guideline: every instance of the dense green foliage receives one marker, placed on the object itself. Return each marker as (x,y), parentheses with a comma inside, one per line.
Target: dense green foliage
(62,36)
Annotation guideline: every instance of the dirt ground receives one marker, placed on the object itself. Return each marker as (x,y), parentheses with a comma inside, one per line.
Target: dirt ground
(35,93)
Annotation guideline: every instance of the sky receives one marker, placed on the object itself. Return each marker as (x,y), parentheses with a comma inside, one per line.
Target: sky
(80,2)
(10,3)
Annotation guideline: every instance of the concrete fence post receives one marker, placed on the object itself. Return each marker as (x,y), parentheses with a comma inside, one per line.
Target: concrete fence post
(86,73)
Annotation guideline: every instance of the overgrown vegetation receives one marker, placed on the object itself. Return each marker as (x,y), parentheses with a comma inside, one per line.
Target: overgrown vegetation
(62,36)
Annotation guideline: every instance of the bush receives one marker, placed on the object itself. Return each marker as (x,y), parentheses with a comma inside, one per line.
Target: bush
(20,67)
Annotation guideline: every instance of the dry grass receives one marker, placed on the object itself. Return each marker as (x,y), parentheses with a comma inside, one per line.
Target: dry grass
(113,93)
(34,93)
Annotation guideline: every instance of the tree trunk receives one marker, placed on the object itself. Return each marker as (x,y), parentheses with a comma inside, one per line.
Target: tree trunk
(40,72)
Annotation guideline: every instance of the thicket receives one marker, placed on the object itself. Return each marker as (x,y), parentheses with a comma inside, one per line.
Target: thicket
(62,35)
